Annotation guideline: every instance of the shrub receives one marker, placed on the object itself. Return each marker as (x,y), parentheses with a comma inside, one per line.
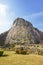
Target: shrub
(37,45)
(21,50)
(40,51)
(42,46)
(32,51)
(1,52)
(17,50)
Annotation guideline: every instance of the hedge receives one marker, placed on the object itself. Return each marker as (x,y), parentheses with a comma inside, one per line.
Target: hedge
(1,52)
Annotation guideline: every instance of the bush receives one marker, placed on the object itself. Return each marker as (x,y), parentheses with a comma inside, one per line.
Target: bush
(32,51)
(1,52)
(21,50)
(40,52)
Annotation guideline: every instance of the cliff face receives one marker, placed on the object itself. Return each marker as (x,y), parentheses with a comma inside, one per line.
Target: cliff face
(22,32)
(40,35)
(3,38)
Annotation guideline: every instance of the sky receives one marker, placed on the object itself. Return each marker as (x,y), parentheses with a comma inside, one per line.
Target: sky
(31,10)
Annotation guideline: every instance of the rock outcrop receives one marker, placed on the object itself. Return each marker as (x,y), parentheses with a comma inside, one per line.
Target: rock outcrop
(3,38)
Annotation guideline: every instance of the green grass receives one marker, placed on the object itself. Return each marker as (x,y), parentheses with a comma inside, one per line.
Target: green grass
(10,58)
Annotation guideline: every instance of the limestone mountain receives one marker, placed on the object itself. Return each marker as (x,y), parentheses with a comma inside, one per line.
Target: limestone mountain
(22,32)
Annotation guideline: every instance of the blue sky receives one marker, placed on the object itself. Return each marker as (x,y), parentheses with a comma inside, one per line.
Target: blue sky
(31,10)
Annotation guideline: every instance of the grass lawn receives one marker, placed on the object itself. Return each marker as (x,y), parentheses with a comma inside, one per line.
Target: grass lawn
(10,58)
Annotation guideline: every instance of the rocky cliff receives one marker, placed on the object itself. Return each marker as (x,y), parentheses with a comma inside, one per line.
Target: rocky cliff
(3,38)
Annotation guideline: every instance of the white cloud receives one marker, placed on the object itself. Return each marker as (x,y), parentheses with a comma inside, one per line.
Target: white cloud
(6,17)
(3,9)
(4,23)
(34,15)
(3,13)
